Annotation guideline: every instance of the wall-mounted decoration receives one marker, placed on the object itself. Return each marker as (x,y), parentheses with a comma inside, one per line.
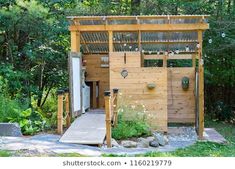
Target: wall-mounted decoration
(185,83)
(124,73)
(151,86)
(104,61)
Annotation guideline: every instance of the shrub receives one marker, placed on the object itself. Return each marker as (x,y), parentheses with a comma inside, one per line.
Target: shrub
(132,121)
(30,121)
(223,112)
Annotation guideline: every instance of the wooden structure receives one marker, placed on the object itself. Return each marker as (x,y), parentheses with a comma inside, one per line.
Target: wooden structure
(63,108)
(139,56)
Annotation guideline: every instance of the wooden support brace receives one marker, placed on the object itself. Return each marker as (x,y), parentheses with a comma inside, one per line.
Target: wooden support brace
(68,117)
(60,112)
(107,98)
(115,108)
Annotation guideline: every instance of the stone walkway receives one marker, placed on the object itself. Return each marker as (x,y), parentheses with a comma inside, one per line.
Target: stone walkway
(179,137)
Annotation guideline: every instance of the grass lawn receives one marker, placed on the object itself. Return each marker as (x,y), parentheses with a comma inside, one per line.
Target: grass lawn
(4,153)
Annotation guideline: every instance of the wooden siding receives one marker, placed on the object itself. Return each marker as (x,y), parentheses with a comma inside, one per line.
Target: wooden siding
(181,104)
(135,86)
(96,72)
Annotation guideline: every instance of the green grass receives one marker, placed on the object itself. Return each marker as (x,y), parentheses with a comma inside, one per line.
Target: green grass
(4,153)
(203,149)
(71,155)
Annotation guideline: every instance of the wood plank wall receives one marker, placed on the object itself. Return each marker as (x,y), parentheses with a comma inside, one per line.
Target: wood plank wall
(182,108)
(96,72)
(135,86)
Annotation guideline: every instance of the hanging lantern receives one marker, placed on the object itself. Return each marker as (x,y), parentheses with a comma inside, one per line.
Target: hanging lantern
(223,35)
(187,49)
(177,51)
(198,45)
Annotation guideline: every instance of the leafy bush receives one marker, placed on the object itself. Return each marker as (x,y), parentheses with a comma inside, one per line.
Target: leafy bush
(223,112)
(30,121)
(132,120)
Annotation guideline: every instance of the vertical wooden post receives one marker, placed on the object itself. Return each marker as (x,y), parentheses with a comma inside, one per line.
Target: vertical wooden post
(165,60)
(201,87)
(60,94)
(115,112)
(68,117)
(110,41)
(107,99)
(193,60)
(75,41)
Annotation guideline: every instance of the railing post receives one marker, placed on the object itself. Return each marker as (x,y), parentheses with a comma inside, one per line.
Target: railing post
(60,94)
(68,118)
(115,110)
(107,98)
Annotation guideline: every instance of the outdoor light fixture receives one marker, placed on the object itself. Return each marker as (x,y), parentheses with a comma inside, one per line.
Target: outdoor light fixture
(130,47)
(187,49)
(158,52)
(136,49)
(223,35)
(150,52)
(124,73)
(143,51)
(124,44)
(171,53)
(210,40)
(177,51)
(198,45)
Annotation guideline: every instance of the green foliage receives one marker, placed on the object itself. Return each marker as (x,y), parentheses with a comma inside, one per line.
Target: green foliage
(30,121)
(132,121)
(4,153)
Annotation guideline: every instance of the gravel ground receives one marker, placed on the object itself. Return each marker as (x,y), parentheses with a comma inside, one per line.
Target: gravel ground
(48,145)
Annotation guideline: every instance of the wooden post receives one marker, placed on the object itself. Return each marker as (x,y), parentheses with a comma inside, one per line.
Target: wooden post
(193,60)
(107,98)
(60,94)
(164,61)
(201,87)
(110,41)
(68,117)
(75,41)
(115,111)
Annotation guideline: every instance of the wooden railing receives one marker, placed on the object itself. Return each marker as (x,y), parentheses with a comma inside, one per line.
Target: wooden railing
(111,114)
(63,99)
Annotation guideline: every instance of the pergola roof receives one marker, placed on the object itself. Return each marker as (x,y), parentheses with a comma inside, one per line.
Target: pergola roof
(134,33)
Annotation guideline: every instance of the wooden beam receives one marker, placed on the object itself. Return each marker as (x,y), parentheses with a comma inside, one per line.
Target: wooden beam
(176,56)
(141,27)
(110,41)
(201,87)
(75,41)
